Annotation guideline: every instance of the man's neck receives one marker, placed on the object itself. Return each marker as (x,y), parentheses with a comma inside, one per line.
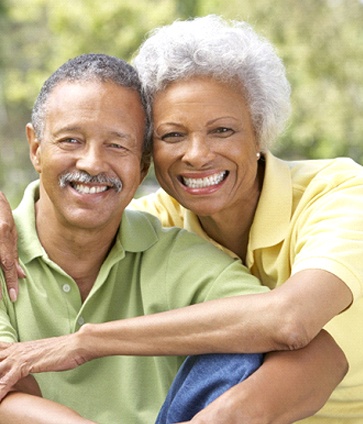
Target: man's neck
(79,252)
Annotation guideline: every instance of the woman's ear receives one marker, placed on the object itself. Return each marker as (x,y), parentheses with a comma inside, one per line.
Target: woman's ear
(34,147)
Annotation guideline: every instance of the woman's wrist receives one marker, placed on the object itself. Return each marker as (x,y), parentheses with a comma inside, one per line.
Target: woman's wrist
(87,343)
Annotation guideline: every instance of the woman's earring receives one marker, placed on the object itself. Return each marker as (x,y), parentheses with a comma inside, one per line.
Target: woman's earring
(258,155)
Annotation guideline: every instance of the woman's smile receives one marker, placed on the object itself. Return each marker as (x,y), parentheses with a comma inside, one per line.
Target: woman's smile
(201,182)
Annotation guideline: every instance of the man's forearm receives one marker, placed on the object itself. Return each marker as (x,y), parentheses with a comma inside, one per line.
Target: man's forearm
(295,385)
(288,387)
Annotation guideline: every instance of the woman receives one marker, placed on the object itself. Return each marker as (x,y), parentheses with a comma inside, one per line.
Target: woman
(219,98)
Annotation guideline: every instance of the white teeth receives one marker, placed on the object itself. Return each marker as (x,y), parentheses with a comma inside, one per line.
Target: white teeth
(204,182)
(84,189)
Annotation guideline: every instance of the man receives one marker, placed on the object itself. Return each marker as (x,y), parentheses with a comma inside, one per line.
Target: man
(87,144)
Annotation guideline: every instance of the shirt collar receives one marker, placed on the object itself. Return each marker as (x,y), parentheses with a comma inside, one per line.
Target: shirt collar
(24,215)
(136,234)
(274,208)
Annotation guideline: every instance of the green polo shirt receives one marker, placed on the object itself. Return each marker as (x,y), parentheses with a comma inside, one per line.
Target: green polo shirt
(149,269)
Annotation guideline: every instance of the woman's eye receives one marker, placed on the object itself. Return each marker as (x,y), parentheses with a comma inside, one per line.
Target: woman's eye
(172,136)
(223,131)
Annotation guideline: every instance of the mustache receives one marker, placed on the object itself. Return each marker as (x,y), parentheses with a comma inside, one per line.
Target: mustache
(85,178)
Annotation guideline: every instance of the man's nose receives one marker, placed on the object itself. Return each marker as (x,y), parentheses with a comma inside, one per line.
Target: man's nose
(92,160)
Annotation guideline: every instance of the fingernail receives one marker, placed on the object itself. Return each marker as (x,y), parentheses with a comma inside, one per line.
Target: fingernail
(12,294)
(21,272)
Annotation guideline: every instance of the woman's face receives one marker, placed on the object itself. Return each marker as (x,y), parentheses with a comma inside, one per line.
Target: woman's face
(205,146)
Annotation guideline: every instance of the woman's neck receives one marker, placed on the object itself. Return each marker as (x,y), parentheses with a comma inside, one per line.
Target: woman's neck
(230,231)
(231,227)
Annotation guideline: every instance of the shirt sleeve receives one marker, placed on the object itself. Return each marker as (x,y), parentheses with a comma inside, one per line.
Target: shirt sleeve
(329,232)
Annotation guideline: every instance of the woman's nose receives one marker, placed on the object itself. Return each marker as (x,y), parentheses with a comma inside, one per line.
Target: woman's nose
(198,152)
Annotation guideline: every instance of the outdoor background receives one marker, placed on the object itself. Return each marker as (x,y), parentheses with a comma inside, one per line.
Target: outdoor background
(320,41)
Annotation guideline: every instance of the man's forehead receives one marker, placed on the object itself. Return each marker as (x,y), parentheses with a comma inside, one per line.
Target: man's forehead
(94,94)
(107,105)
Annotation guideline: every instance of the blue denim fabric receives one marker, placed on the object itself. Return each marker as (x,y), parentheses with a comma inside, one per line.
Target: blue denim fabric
(201,379)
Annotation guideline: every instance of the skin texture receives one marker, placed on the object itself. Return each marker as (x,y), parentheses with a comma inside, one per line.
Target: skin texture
(203,128)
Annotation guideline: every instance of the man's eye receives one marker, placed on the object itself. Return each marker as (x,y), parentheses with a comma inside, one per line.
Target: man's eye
(117,146)
(69,140)
(68,143)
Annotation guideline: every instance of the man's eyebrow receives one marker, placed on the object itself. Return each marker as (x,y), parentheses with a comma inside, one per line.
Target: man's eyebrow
(112,133)
(119,134)
(66,129)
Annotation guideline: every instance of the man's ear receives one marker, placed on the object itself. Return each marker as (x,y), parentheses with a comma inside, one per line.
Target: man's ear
(34,147)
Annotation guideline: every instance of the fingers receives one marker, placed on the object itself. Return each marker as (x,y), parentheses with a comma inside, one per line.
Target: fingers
(13,366)
(10,375)
(12,271)
(3,346)
(8,249)
(19,269)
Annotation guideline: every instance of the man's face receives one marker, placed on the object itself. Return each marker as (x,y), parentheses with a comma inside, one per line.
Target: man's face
(95,130)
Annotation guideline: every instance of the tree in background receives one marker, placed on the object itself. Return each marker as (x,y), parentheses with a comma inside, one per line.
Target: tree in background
(320,41)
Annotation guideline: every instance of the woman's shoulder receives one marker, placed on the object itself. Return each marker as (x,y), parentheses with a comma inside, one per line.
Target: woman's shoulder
(161,205)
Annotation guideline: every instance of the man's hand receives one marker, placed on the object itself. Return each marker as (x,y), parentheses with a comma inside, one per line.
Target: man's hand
(8,249)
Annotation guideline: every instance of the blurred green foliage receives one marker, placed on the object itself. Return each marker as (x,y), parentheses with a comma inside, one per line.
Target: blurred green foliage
(320,41)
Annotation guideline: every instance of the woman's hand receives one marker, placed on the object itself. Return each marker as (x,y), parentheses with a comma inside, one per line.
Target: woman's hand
(8,249)
(18,360)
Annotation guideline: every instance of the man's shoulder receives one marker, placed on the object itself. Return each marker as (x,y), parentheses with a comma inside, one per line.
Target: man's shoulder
(145,226)
(142,219)
(145,222)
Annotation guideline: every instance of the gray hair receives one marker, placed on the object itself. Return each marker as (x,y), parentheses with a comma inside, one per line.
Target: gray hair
(229,51)
(86,68)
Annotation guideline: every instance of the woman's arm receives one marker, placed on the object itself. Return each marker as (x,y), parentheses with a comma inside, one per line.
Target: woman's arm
(288,386)
(286,318)
(283,327)
(8,249)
